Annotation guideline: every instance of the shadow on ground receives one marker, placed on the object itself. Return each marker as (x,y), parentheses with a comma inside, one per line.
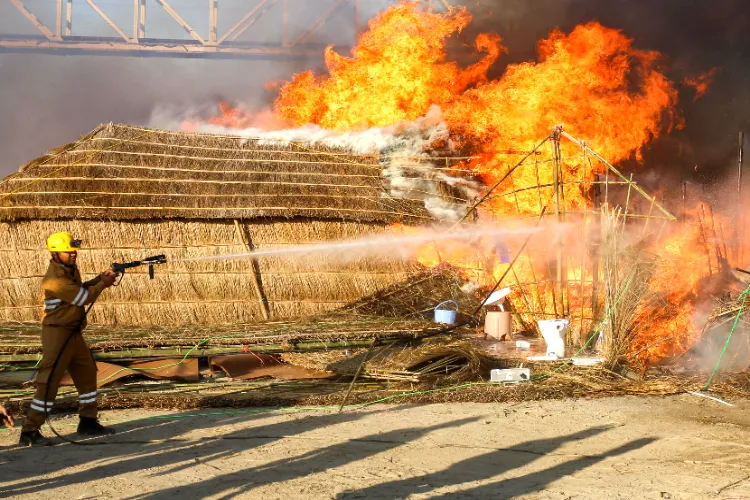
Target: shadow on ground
(132,450)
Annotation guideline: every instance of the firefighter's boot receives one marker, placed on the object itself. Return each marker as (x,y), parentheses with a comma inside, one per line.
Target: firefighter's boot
(33,438)
(91,427)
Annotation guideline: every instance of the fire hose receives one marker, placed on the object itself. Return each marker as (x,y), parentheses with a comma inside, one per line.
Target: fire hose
(120,268)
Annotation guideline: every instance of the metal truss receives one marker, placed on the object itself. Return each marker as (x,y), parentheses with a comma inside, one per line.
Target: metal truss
(63,40)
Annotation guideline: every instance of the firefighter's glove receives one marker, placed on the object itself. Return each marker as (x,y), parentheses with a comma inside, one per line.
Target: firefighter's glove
(109,277)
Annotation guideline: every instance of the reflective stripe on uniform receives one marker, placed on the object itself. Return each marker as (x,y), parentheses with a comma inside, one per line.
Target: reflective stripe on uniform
(80,294)
(84,298)
(89,397)
(39,405)
(51,304)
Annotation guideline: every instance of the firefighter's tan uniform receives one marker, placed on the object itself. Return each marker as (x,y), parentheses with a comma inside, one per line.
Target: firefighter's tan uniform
(65,299)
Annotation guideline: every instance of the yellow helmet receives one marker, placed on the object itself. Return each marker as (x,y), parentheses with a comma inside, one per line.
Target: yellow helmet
(63,242)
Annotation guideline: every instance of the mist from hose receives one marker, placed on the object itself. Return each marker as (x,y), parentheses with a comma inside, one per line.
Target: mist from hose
(483,237)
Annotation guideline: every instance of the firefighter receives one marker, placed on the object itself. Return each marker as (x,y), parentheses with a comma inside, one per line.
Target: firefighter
(65,300)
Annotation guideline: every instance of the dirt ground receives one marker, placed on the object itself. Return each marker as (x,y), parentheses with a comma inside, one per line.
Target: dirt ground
(675,447)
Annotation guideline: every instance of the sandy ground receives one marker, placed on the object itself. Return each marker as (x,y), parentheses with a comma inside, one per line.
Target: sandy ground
(676,447)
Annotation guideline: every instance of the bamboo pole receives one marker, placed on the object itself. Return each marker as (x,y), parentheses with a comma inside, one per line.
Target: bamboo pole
(739,224)
(558,266)
(561,184)
(606,188)
(528,255)
(618,173)
(569,183)
(684,201)
(723,240)
(705,243)
(595,252)
(253,271)
(549,270)
(716,237)
(648,217)
(356,375)
(560,271)
(583,266)
(627,203)
(529,307)
(179,352)
(492,188)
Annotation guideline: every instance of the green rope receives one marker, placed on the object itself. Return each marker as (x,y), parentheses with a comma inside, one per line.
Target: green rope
(742,299)
(14,368)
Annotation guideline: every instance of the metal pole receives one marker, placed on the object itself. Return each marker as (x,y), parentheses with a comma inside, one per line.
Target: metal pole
(59,20)
(142,25)
(136,13)
(69,19)
(213,15)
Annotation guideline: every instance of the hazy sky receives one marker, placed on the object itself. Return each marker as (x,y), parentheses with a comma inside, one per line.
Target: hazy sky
(49,100)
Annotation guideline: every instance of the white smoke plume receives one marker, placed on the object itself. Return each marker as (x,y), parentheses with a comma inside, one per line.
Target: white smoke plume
(407,151)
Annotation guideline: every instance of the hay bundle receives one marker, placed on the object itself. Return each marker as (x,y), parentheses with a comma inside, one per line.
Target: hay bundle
(437,360)
(626,271)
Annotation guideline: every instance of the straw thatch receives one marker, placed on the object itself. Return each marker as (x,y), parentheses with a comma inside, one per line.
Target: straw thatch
(119,172)
(131,192)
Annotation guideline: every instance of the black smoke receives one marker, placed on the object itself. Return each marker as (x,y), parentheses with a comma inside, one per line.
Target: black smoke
(693,35)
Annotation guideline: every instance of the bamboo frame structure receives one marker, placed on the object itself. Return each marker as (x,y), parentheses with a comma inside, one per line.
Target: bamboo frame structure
(572,182)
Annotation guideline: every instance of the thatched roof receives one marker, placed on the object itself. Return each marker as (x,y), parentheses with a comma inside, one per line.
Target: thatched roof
(120,172)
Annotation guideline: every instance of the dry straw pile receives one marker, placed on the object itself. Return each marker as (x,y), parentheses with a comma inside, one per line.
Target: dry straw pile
(131,192)
(626,270)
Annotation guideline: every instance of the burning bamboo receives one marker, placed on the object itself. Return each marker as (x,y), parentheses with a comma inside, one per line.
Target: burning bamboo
(595,252)
(705,241)
(717,247)
(740,231)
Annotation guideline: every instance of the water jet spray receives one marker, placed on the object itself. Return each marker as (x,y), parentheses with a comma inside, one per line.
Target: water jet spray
(373,244)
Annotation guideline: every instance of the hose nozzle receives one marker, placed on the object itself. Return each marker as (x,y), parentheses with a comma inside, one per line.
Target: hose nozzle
(120,267)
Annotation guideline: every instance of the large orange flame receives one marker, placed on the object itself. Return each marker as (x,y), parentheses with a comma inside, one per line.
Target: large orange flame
(592,79)
(396,72)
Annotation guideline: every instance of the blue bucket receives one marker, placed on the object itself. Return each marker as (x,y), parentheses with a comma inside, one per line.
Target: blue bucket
(446,316)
